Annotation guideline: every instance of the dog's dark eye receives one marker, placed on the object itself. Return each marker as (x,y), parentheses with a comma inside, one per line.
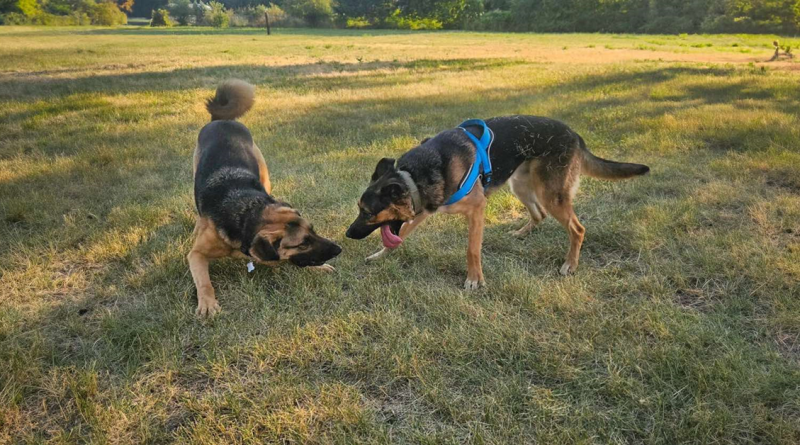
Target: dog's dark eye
(305,243)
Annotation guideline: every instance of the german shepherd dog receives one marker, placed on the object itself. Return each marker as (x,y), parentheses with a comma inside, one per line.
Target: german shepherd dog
(542,159)
(237,216)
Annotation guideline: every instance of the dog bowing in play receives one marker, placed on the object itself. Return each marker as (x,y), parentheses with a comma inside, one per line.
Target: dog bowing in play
(236,214)
(542,160)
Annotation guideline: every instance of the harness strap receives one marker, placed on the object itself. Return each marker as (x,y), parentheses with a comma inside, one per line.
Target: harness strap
(481,166)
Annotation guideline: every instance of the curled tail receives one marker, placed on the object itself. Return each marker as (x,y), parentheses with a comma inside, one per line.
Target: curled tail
(233,99)
(601,168)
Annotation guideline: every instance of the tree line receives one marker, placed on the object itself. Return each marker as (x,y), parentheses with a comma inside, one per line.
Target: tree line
(636,16)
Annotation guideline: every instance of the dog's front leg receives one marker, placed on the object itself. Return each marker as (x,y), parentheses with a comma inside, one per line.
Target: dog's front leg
(476,221)
(326,268)
(405,232)
(206,299)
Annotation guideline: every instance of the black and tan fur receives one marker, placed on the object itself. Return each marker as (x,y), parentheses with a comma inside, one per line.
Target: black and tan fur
(237,216)
(542,160)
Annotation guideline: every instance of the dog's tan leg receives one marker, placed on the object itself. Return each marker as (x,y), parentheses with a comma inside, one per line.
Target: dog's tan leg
(555,188)
(561,209)
(569,220)
(405,232)
(409,227)
(522,187)
(263,171)
(207,304)
(476,221)
(263,175)
(207,245)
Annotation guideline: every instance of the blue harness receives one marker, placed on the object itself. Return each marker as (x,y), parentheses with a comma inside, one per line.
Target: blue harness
(482,166)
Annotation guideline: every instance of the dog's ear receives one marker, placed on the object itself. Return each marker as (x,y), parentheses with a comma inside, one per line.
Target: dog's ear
(263,250)
(424,140)
(392,190)
(384,166)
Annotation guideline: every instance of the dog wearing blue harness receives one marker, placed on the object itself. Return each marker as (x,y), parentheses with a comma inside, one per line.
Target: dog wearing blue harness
(455,171)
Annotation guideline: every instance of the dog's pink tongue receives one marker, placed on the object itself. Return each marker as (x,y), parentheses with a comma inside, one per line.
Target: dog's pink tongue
(390,240)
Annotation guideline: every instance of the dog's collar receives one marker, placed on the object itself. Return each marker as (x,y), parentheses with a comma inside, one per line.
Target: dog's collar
(416,201)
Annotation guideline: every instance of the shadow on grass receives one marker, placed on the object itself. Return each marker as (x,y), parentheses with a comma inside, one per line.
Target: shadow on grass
(194,31)
(301,78)
(276,32)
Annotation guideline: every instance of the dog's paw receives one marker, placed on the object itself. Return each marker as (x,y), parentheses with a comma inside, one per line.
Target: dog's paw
(207,308)
(378,255)
(473,284)
(568,269)
(327,268)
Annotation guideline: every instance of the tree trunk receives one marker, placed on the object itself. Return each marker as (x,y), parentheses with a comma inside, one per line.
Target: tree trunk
(266,16)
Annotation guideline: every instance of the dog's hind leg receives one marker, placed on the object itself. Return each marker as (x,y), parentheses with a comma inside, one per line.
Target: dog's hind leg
(566,216)
(557,199)
(521,185)
(263,171)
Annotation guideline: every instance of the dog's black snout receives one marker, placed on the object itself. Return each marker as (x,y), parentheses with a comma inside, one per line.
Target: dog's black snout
(334,250)
(358,230)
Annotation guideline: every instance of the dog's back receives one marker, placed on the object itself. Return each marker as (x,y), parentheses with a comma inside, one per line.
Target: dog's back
(227,185)
(225,163)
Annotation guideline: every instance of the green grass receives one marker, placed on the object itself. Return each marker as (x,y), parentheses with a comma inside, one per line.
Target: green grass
(682,324)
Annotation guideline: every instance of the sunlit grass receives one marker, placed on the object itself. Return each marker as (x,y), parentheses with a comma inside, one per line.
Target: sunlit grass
(681,324)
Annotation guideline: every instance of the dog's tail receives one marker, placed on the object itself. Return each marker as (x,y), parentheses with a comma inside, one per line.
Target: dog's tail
(233,99)
(601,168)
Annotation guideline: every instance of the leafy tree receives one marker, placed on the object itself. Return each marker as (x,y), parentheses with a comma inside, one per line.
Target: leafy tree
(144,8)
(217,16)
(372,10)
(199,10)
(126,5)
(160,18)
(107,13)
(28,8)
(181,10)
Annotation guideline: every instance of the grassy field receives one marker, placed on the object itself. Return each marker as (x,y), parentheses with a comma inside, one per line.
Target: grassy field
(682,324)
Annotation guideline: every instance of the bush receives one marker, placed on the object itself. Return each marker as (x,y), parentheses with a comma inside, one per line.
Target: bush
(280,19)
(107,14)
(14,18)
(471,12)
(160,18)
(314,12)
(254,16)
(217,16)
(492,21)
(249,16)
(181,11)
(358,22)
(42,18)
(396,21)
